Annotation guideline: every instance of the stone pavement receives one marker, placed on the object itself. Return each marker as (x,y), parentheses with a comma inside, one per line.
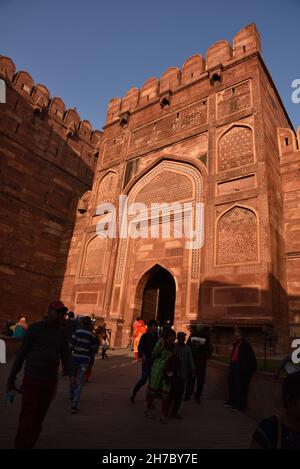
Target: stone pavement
(107,419)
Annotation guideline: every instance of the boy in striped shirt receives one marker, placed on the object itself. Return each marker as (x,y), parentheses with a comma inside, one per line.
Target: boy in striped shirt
(84,345)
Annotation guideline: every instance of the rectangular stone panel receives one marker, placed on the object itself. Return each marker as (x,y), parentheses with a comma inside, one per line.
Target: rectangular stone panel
(234,99)
(236,185)
(176,122)
(86,297)
(236,296)
(174,252)
(113,150)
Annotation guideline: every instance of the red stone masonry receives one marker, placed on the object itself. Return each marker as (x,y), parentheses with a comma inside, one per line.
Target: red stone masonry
(48,157)
(209,128)
(289,154)
(215,132)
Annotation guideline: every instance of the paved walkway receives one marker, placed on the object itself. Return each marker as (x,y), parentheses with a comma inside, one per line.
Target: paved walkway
(108,420)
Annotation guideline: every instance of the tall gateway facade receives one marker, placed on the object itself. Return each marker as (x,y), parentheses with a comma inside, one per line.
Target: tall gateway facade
(213,133)
(207,133)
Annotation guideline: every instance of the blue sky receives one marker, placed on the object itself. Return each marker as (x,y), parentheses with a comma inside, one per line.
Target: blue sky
(90,51)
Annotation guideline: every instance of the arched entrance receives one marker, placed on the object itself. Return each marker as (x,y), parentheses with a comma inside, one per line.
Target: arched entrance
(167,182)
(158,300)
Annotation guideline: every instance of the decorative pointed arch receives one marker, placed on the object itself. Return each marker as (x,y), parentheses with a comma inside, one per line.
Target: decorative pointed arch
(107,188)
(150,270)
(235,147)
(94,257)
(237,236)
(184,184)
(170,169)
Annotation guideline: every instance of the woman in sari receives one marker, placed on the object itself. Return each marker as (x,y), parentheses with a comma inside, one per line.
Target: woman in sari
(162,372)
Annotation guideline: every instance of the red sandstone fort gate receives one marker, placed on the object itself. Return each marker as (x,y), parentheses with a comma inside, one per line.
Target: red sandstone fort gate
(215,132)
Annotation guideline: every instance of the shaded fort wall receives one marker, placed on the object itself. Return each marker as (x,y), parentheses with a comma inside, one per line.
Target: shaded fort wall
(289,158)
(47,158)
(273,115)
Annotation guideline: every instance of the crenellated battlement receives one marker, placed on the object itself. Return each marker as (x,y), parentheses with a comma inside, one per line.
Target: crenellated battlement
(48,161)
(288,142)
(38,96)
(220,54)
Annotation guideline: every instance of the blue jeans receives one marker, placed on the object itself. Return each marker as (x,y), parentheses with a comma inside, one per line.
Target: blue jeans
(80,371)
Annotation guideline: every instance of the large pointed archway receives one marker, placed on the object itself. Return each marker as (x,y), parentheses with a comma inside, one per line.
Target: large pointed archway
(158,295)
(179,185)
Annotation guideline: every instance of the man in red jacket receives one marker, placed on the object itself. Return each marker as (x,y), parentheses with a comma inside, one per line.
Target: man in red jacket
(42,349)
(242,366)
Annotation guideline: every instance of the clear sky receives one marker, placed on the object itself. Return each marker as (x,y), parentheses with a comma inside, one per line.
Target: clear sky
(89,51)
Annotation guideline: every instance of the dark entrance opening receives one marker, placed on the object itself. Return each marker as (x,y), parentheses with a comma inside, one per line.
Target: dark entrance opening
(159,296)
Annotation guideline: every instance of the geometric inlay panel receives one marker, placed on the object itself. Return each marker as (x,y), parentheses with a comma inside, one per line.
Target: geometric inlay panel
(107,188)
(236,238)
(113,150)
(93,261)
(176,122)
(235,148)
(168,187)
(233,99)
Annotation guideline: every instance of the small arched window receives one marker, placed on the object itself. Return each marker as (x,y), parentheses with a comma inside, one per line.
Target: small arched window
(83,203)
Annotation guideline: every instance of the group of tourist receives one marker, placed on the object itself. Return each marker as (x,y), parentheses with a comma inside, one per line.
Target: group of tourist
(176,369)
(59,337)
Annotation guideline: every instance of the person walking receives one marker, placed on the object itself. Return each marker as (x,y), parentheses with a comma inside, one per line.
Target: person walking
(71,324)
(282,431)
(84,346)
(139,331)
(186,367)
(200,346)
(20,329)
(104,345)
(89,370)
(242,366)
(42,349)
(135,328)
(146,346)
(162,372)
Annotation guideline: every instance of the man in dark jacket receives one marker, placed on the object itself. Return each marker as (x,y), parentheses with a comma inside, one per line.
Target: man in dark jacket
(201,349)
(242,366)
(72,324)
(145,349)
(185,367)
(42,349)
